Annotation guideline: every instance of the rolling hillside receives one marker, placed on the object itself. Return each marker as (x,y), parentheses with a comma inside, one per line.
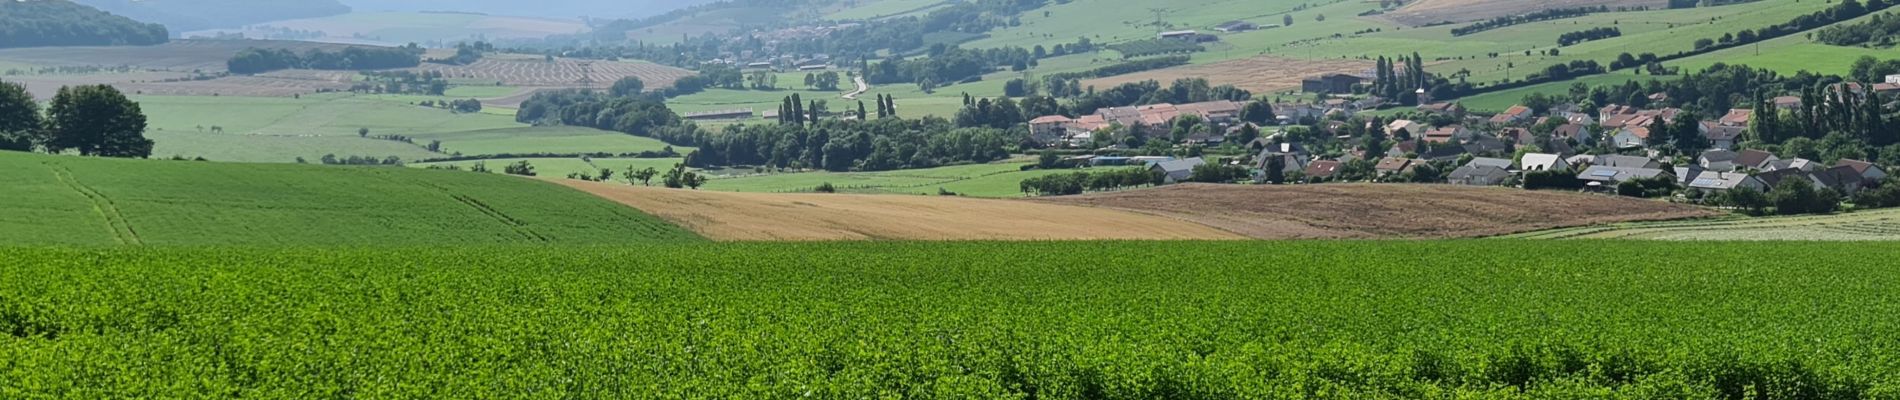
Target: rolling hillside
(187,15)
(64,23)
(67,200)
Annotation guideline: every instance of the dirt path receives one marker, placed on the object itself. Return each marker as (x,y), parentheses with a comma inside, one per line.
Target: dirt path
(817,217)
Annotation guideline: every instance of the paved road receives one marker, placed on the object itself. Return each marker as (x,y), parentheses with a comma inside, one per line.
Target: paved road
(862,87)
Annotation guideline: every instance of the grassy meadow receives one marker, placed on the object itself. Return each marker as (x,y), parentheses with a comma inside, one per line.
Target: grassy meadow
(561,167)
(1075,320)
(69,200)
(281,129)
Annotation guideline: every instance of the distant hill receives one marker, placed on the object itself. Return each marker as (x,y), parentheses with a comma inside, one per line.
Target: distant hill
(38,23)
(607,9)
(70,200)
(190,15)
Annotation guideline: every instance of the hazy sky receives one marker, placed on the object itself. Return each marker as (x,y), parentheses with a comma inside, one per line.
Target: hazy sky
(533,8)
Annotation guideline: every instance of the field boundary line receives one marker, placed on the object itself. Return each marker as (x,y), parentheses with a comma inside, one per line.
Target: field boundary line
(116,224)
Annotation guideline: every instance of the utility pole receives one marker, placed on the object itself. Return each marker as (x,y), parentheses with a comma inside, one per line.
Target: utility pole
(1159,12)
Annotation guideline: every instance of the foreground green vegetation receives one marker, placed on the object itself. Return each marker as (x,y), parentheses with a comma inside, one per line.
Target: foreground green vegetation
(957,320)
(91,201)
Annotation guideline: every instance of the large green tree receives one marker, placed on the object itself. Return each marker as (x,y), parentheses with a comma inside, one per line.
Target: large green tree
(96,120)
(19,118)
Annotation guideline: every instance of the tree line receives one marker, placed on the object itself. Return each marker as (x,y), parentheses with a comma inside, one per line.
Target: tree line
(1878,31)
(65,23)
(1598,33)
(1544,15)
(1091,181)
(93,120)
(256,60)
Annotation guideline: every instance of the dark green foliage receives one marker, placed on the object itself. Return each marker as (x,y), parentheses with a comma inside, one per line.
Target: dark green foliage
(63,23)
(1544,15)
(1797,195)
(1598,33)
(1648,188)
(20,121)
(256,60)
(1552,180)
(627,87)
(825,188)
(1216,173)
(522,168)
(1155,47)
(95,120)
(1096,180)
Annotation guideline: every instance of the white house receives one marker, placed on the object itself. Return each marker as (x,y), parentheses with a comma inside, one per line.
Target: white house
(1544,162)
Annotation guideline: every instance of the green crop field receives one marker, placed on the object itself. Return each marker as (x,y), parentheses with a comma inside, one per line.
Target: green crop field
(875,9)
(543,139)
(1790,54)
(1118,320)
(1875,225)
(275,129)
(90,201)
(561,167)
(1495,102)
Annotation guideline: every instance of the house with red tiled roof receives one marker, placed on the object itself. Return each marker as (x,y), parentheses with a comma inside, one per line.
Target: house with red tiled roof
(1631,137)
(1513,115)
(1737,117)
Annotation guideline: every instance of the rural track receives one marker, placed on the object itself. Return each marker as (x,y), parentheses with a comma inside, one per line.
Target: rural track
(862,87)
(483,208)
(116,224)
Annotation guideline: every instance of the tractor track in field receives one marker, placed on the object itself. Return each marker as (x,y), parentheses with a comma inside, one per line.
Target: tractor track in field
(483,208)
(120,228)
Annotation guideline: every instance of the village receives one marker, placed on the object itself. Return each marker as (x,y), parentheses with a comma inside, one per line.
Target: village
(1614,149)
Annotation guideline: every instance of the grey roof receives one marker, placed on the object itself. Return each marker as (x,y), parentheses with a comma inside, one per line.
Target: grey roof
(1713,180)
(1479,173)
(1172,166)
(1753,158)
(1792,163)
(1618,174)
(1490,162)
(1620,161)
(1719,156)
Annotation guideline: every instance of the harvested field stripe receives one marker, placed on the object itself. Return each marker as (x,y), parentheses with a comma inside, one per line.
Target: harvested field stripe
(733,216)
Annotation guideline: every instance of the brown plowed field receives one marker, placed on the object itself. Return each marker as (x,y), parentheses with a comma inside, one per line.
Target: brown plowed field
(1423,12)
(1379,211)
(1259,74)
(815,217)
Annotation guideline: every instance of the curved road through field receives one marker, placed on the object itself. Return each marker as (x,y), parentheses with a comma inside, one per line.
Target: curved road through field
(862,87)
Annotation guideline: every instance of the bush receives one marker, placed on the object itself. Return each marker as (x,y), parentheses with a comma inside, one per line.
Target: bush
(825,188)
(1648,188)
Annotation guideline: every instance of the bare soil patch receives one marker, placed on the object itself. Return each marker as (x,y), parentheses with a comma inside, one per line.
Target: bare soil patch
(1379,211)
(1259,74)
(1425,12)
(820,217)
